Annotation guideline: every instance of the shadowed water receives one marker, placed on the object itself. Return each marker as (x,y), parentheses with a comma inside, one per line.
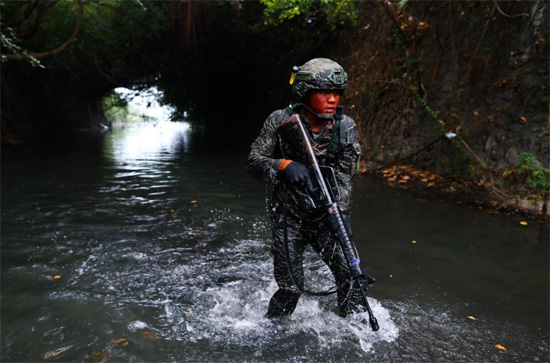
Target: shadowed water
(144,246)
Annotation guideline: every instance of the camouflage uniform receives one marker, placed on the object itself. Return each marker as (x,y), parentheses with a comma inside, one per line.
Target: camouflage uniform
(301,229)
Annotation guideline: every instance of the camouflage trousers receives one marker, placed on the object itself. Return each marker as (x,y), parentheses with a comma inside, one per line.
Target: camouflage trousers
(289,244)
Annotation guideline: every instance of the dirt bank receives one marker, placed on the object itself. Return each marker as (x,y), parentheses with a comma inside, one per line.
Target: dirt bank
(458,93)
(482,195)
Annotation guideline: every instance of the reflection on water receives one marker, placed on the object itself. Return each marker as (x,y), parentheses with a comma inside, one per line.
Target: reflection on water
(154,251)
(151,141)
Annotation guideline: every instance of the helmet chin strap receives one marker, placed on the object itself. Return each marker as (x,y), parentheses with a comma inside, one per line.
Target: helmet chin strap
(322,116)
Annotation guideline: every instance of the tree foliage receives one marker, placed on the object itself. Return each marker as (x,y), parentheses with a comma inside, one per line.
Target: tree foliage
(331,12)
(85,50)
(190,50)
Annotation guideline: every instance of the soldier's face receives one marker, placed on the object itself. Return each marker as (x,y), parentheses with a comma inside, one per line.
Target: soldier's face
(324,101)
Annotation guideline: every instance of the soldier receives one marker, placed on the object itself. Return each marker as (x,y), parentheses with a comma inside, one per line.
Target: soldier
(318,86)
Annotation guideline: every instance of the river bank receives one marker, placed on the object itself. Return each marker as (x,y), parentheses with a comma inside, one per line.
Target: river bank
(479,194)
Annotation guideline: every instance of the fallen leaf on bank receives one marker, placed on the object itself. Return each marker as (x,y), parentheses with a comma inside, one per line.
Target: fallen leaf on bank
(476,113)
(522,120)
(119,341)
(523,223)
(57,277)
(193,201)
(498,346)
(125,344)
(471,317)
(145,333)
(172,211)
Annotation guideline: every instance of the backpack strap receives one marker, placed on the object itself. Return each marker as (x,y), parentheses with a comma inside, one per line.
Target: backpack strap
(338,138)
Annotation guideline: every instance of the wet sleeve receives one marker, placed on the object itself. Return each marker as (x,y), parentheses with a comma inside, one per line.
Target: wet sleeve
(348,164)
(262,163)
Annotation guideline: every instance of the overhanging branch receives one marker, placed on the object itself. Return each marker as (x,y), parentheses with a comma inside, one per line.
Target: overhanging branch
(57,50)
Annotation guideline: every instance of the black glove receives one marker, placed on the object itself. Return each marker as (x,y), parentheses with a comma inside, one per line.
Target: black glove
(332,222)
(296,174)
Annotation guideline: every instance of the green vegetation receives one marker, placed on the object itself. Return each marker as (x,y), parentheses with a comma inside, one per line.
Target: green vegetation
(331,12)
(119,111)
(529,175)
(537,176)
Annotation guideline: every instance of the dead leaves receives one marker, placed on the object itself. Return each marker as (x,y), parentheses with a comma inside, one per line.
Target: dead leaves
(403,175)
(99,355)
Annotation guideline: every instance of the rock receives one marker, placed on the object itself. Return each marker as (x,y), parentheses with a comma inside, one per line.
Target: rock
(511,155)
(491,143)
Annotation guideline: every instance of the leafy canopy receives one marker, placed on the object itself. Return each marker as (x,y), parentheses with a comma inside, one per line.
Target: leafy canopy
(333,12)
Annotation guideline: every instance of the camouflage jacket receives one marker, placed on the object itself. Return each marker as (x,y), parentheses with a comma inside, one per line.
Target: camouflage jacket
(270,148)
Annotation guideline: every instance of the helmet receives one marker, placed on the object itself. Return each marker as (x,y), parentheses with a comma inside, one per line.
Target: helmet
(318,73)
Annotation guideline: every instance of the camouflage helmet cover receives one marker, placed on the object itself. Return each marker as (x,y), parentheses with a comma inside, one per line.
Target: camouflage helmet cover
(318,73)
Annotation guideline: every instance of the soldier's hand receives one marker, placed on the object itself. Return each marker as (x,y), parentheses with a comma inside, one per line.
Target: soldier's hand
(296,174)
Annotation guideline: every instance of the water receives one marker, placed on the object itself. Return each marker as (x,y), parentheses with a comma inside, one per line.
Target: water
(144,246)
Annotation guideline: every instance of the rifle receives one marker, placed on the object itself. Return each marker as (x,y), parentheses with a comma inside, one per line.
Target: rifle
(346,244)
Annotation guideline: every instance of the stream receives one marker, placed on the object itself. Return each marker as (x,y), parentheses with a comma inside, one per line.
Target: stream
(144,245)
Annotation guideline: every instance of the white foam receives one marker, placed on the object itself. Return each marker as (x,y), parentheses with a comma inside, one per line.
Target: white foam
(137,325)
